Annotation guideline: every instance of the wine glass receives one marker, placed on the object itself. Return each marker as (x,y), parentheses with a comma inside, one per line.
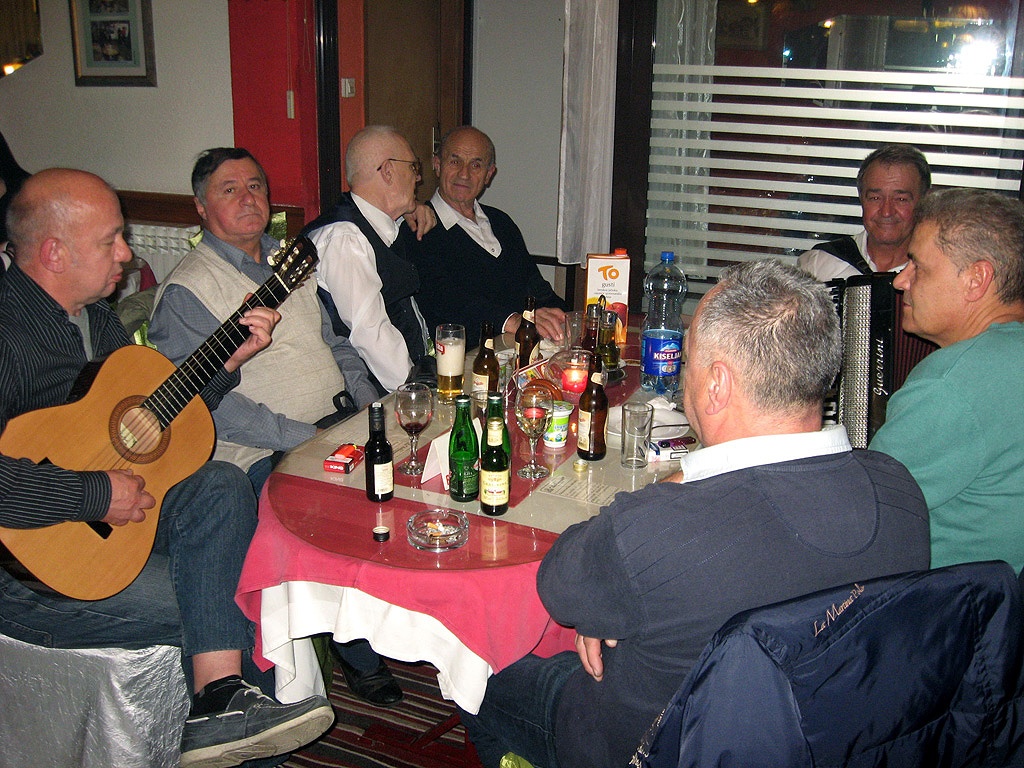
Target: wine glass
(414,406)
(533,412)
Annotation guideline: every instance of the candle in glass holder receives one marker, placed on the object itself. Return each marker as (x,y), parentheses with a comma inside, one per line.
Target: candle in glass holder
(574,379)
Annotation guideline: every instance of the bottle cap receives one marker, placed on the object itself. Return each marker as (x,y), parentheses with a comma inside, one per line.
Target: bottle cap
(381,533)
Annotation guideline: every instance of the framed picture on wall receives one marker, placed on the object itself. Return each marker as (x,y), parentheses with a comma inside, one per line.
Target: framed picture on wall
(113,42)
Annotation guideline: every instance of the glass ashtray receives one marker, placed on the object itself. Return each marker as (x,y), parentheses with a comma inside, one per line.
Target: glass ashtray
(438,530)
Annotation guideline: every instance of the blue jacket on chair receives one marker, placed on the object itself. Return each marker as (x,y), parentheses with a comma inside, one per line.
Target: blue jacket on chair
(921,669)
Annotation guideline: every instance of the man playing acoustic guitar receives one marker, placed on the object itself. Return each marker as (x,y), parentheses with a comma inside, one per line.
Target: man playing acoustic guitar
(66,230)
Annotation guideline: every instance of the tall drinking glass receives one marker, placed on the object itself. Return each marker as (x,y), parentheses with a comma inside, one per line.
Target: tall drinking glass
(534,408)
(450,345)
(414,407)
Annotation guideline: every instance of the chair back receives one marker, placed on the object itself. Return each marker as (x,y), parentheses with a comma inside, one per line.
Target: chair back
(922,668)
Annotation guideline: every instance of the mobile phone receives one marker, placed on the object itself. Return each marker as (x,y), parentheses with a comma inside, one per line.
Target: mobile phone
(345,458)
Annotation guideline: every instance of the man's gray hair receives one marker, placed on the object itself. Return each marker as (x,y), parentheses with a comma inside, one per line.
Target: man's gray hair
(980,225)
(779,327)
(360,158)
(897,154)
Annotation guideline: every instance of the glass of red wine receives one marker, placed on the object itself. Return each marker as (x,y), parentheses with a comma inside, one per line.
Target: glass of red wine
(414,407)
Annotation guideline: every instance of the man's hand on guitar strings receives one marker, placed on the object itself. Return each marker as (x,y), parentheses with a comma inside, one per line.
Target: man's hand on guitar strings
(128,498)
(260,321)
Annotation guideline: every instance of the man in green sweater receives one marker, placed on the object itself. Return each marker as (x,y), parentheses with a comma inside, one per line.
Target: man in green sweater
(958,422)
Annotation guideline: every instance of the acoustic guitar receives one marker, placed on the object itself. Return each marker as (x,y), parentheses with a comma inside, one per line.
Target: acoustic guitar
(124,421)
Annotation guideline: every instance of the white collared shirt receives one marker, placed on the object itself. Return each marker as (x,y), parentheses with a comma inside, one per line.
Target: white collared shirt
(758,451)
(348,271)
(480,230)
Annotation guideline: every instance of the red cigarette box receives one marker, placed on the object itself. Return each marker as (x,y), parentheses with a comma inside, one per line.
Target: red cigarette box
(345,458)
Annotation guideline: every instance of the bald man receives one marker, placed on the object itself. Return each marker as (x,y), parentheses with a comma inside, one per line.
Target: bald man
(66,230)
(364,276)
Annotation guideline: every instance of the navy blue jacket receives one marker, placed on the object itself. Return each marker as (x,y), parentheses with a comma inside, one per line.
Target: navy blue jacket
(923,669)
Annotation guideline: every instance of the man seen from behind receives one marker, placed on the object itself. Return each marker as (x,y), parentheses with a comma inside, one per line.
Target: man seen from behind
(772,507)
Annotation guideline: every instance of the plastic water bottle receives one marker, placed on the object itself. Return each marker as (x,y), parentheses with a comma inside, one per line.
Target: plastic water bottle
(661,339)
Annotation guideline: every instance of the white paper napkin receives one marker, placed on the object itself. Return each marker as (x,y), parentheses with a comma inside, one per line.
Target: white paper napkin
(437,459)
(436,462)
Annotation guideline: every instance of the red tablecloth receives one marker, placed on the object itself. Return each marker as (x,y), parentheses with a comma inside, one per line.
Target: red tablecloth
(484,592)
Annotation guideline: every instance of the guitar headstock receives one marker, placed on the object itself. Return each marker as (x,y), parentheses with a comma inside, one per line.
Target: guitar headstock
(294,263)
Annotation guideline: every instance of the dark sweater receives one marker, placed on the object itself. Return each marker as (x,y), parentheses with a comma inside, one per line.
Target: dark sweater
(399,279)
(665,567)
(460,282)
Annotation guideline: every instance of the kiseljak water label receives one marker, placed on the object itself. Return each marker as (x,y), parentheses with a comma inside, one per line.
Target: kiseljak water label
(662,355)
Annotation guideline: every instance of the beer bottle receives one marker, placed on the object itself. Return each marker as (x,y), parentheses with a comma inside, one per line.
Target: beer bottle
(463,453)
(593,415)
(485,365)
(380,468)
(527,336)
(495,477)
(496,410)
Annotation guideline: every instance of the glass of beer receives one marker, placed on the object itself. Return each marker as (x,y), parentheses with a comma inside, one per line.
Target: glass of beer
(450,346)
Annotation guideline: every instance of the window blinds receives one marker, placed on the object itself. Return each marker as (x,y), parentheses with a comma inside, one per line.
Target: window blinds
(752,163)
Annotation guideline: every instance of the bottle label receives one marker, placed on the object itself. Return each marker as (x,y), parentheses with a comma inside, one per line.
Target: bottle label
(465,478)
(662,353)
(528,315)
(489,343)
(583,431)
(384,478)
(535,354)
(481,382)
(494,487)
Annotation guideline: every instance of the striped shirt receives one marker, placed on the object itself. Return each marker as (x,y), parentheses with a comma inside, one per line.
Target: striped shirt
(41,357)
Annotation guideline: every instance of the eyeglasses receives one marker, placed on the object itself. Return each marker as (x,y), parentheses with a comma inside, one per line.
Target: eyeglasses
(417,166)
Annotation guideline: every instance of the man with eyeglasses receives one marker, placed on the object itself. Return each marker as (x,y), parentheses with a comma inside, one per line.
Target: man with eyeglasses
(476,266)
(364,277)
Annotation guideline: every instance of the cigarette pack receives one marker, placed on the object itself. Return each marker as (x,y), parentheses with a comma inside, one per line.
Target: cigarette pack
(345,458)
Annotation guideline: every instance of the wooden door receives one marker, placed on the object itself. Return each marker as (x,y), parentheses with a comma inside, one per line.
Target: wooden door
(414,72)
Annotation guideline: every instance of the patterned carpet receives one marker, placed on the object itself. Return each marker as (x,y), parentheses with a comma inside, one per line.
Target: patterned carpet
(368,737)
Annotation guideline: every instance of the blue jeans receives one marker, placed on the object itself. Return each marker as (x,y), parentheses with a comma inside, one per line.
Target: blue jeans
(518,711)
(185,595)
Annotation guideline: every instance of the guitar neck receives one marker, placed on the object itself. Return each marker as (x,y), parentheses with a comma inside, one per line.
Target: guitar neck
(202,365)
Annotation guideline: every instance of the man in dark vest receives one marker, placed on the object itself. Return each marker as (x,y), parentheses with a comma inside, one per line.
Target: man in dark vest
(363,275)
(890,183)
(476,266)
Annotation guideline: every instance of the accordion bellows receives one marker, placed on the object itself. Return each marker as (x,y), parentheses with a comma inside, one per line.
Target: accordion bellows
(878,354)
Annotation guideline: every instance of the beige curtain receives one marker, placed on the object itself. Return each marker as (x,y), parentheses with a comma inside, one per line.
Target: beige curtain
(588,112)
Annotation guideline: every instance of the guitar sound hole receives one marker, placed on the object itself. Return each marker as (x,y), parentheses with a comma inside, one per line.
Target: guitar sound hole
(138,431)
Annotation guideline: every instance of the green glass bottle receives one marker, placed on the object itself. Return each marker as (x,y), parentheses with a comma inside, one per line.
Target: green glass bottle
(496,409)
(463,453)
(495,477)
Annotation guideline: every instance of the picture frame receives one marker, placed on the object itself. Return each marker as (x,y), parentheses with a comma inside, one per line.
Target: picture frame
(741,25)
(113,42)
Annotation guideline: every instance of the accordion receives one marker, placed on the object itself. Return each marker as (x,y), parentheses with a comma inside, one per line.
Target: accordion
(878,354)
